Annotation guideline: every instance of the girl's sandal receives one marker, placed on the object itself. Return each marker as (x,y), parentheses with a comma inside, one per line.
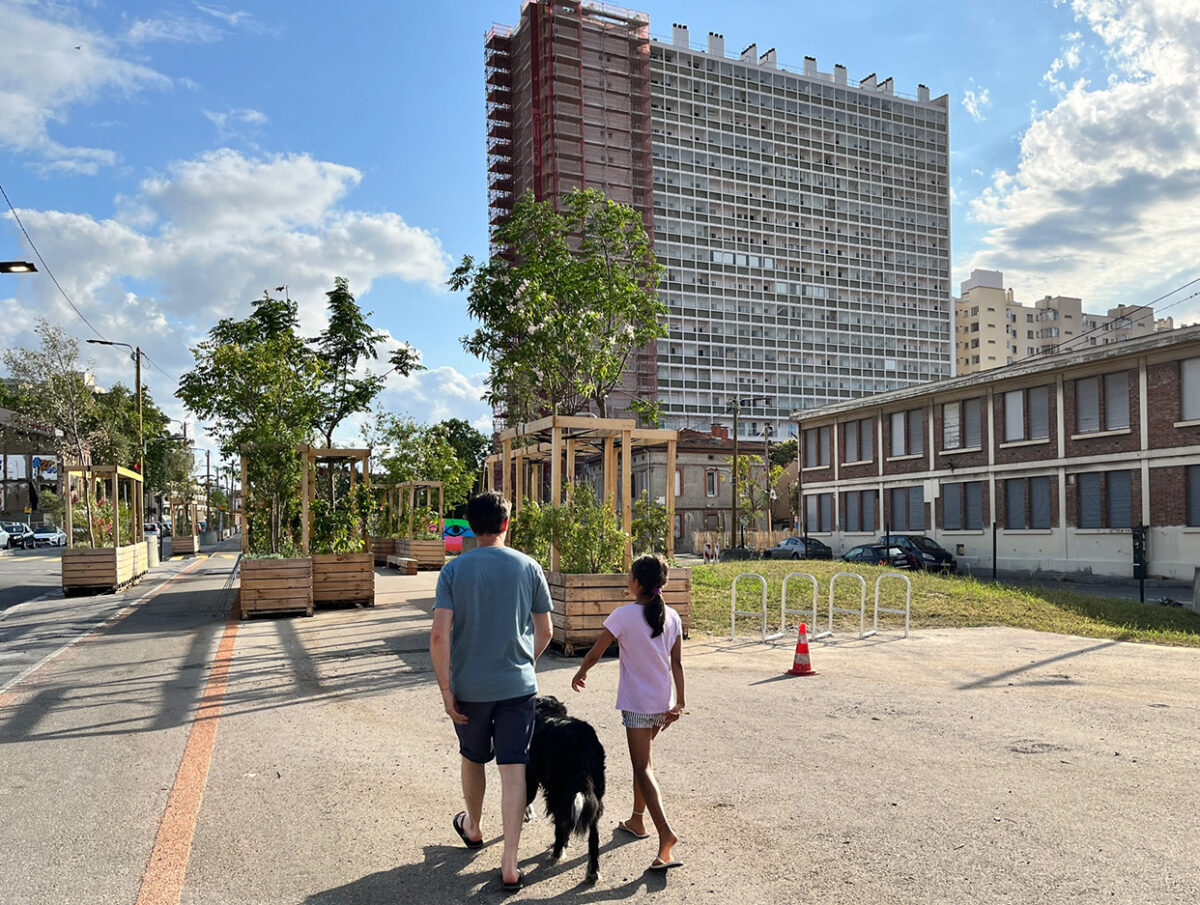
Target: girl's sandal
(623,827)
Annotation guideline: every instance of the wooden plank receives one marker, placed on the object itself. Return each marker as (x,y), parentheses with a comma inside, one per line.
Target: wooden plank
(274,594)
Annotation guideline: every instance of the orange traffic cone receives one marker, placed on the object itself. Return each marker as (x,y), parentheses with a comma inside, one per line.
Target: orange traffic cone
(802,666)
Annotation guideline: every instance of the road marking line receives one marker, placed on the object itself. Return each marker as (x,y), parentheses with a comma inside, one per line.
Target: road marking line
(166,870)
(9,692)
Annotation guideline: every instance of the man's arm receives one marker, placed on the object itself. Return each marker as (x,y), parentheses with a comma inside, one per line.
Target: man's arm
(542,630)
(439,653)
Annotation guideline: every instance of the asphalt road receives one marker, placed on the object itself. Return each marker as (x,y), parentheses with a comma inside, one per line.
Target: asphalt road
(26,574)
(313,764)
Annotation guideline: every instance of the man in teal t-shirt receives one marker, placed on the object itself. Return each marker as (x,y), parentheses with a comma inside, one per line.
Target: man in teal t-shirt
(491,621)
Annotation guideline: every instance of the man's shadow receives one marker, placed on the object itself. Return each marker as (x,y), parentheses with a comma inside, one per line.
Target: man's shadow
(449,873)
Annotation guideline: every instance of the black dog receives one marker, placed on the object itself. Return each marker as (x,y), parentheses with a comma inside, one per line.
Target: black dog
(566,760)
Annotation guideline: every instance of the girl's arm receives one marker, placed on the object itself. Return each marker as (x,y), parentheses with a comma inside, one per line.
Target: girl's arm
(593,657)
(677,675)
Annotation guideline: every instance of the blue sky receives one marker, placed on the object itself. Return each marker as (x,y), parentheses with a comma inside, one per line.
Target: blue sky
(189,155)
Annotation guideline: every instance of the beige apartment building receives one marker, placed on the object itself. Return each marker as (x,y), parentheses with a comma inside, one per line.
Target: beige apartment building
(993,329)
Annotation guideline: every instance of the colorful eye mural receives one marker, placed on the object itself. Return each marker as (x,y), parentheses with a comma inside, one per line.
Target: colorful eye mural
(456,529)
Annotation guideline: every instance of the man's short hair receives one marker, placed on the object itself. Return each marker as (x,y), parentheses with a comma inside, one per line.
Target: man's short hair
(487,512)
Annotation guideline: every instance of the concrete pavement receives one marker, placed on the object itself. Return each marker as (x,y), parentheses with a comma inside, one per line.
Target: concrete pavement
(983,765)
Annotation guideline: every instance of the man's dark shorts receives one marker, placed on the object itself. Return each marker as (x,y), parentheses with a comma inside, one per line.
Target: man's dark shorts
(499,729)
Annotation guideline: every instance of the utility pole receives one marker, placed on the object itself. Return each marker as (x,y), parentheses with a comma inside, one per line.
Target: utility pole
(733,527)
(207,489)
(767,475)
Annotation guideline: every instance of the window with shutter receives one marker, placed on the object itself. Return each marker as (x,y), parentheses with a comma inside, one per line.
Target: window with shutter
(866,433)
(973,516)
(1014,415)
(826,511)
(972,417)
(1039,503)
(868,510)
(1087,405)
(899,513)
(1039,413)
(1014,504)
(1116,401)
(916,509)
(1087,487)
(916,432)
(851,432)
(898,422)
(1193,496)
(1190,389)
(952,425)
(952,507)
(1120,499)
(823,445)
(853,521)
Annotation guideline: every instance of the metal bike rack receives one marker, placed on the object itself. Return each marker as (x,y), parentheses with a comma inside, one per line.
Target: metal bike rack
(862,609)
(784,611)
(907,602)
(734,612)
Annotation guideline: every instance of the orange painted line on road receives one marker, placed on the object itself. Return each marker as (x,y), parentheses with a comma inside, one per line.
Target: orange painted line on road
(162,883)
(18,685)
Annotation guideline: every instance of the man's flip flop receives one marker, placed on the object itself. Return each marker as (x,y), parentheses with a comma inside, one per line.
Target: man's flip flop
(460,820)
(515,885)
(625,829)
(660,864)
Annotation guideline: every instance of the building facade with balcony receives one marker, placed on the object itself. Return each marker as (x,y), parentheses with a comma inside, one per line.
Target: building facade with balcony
(1059,457)
(802,218)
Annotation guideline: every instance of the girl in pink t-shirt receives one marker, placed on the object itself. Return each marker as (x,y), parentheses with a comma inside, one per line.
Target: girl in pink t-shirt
(649,633)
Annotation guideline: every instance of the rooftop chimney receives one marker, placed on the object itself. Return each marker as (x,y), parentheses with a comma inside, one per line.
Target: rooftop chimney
(750,54)
(810,66)
(923,93)
(679,35)
(768,59)
(716,44)
(839,74)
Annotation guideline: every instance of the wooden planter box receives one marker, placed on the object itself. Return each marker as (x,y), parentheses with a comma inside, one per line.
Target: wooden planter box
(583,602)
(343,578)
(276,586)
(429,554)
(102,569)
(382,548)
(188,545)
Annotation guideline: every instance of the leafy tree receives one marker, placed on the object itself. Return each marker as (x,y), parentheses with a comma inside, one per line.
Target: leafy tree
(784,453)
(256,384)
(753,497)
(650,525)
(407,451)
(346,341)
(470,445)
(568,300)
(51,380)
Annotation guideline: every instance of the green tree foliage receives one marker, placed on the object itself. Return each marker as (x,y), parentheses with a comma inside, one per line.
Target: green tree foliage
(51,381)
(753,496)
(257,384)
(571,296)
(407,451)
(585,529)
(650,525)
(784,453)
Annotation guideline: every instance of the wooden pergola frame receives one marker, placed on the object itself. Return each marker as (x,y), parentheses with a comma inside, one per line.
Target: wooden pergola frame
(114,475)
(428,486)
(191,511)
(557,437)
(309,456)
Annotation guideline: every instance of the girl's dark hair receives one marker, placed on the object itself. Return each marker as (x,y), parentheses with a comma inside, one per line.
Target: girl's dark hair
(650,571)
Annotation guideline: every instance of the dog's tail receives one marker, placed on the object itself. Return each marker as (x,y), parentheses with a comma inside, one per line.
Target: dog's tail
(587,808)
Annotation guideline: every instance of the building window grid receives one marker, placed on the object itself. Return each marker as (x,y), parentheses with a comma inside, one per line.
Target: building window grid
(1104,499)
(1027,414)
(962,506)
(1102,403)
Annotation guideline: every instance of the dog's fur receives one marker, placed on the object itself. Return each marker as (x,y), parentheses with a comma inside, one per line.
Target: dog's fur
(566,760)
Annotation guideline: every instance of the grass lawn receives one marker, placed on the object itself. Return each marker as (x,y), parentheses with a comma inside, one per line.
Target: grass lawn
(937,602)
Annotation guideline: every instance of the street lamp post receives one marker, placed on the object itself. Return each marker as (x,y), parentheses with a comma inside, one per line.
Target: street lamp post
(17,267)
(135,352)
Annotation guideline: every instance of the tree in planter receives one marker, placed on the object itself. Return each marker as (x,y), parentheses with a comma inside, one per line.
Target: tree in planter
(753,498)
(565,304)
(257,386)
(51,380)
(586,531)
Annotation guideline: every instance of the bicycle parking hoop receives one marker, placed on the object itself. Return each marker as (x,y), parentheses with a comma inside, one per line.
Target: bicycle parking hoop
(882,609)
(862,608)
(734,612)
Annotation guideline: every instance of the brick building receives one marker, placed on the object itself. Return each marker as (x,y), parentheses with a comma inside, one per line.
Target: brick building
(1059,456)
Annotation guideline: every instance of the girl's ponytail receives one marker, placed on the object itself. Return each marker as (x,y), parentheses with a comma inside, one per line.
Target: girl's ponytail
(650,571)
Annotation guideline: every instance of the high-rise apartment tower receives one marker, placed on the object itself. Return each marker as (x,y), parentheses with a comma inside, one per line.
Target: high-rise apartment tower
(803,221)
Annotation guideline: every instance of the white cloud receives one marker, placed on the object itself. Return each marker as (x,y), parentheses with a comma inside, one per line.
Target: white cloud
(1102,203)
(172,27)
(203,239)
(438,394)
(975,102)
(231,122)
(43,75)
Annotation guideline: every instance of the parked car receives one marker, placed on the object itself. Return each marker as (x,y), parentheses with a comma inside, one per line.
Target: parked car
(5,540)
(152,529)
(929,553)
(48,536)
(19,535)
(882,555)
(798,548)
